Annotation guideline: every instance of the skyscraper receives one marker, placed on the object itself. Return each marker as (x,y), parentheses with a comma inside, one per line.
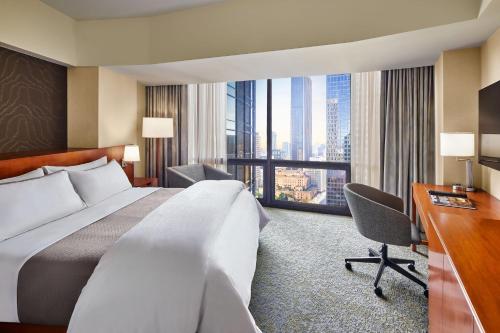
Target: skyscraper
(338,110)
(241,129)
(347,147)
(241,119)
(258,146)
(333,142)
(285,148)
(338,87)
(301,118)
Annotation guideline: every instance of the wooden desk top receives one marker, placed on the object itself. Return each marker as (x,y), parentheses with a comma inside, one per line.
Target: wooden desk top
(471,239)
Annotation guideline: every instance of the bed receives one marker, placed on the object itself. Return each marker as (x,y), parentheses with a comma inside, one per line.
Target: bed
(117,266)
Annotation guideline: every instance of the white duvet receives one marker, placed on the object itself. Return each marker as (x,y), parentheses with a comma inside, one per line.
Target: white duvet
(187,267)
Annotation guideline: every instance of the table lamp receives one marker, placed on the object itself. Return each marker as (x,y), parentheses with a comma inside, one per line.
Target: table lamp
(131,154)
(460,145)
(157,128)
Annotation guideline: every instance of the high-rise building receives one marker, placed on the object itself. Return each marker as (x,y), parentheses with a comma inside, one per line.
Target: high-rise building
(285,150)
(322,151)
(240,130)
(335,180)
(318,176)
(347,147)
(258,146)
(241,119)
(338,110)
(338,87)
(301,118)
(333,142)
(275,140)
(277,154)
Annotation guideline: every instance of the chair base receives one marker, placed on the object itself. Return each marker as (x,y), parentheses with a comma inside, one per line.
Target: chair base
(381,257)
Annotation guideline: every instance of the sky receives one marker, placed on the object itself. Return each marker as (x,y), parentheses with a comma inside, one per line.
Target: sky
(281,109)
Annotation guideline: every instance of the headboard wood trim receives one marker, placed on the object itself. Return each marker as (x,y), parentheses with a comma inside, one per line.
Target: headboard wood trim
(16,164)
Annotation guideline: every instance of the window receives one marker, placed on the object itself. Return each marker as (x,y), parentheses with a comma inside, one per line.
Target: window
(306,161)
(246,119)
(251,175)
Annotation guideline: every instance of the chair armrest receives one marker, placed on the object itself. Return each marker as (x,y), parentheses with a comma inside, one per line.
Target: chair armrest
(178,180)
(215,174)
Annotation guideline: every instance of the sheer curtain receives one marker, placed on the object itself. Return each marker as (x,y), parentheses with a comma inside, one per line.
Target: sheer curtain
(167,102)
(365,128)
(207,124)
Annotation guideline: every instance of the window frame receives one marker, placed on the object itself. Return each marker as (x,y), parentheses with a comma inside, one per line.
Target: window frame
(269,165)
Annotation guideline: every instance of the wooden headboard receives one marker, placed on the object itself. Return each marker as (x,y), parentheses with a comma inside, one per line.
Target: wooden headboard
(15,164)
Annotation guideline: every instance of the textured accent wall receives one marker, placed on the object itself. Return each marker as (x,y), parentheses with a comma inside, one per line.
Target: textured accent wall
(33,103)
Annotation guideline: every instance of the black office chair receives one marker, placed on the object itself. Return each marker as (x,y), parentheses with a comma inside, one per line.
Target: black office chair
(379,216)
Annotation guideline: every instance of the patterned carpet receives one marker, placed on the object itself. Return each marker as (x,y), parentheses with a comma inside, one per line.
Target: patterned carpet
(301,284)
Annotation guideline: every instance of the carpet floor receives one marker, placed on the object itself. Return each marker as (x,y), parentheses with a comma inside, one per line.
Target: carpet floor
(301,284)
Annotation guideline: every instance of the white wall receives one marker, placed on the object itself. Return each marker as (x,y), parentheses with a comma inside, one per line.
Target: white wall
(34,27)
(457,81)
(460,74)
(220,29)
(104,109)
(117,109)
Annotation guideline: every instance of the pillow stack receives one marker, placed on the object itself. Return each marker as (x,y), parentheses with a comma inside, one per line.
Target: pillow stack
(32,199)
(98,184)
(28,204)
(80,167)
(29,175)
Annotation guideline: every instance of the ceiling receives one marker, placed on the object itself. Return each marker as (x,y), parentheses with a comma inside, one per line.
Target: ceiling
(406,49)
(409,49)
(105,9)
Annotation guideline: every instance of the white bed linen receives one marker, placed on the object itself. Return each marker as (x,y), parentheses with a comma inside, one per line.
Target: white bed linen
(186,268)
(14,252)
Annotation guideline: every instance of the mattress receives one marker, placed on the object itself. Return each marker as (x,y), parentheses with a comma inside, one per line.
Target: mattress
(50,282)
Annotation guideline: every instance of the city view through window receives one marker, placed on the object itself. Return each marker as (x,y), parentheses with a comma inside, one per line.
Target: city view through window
(309,149)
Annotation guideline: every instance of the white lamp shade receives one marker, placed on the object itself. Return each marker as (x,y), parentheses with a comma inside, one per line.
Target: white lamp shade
(457,144)
(131,154)
(157,127)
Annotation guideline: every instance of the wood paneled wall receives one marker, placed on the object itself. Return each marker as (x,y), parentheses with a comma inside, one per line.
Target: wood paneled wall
(33,103)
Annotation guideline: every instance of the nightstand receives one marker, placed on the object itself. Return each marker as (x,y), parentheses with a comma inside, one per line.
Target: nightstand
(145,182)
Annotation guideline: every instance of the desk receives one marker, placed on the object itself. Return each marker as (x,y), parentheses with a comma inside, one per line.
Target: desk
(464,262)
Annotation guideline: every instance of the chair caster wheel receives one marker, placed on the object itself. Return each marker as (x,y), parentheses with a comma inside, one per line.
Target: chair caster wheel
(348,266)
(426,293)
(378,291)
(411,267)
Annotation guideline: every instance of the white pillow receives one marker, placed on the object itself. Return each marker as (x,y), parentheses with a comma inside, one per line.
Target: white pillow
(80,167)
(28,204)
(25,176)
(98,184)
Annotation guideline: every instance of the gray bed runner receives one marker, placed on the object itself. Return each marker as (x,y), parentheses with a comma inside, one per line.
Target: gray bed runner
(50,282)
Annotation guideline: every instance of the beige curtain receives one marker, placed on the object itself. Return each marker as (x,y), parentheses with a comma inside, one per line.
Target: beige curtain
(207,124)
(167,102)
(365,128)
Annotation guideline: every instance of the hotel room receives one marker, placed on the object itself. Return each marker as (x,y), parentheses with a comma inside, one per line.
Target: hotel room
(234,166)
